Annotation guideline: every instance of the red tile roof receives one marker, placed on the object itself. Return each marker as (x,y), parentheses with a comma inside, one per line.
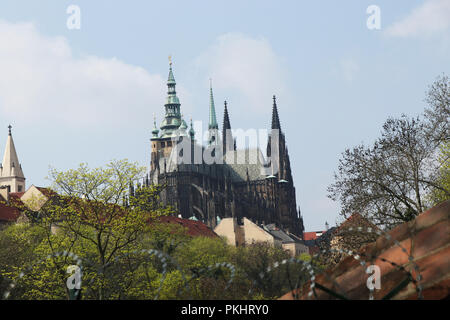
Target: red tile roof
(8,213)
(16,194)
(426,242)
(14,198)
(311,235)
(354,220)
(194,228)
(47,192)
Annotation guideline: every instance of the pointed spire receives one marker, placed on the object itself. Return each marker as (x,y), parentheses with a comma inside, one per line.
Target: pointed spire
(191,131)
(226,118)
(227,137)
(212,109)
(213,128)
(171,83)
(275,117)
(155,130)
(171,78)
(11,172)
(172,119)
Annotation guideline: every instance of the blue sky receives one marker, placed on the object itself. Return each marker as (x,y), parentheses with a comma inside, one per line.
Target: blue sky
(89,95)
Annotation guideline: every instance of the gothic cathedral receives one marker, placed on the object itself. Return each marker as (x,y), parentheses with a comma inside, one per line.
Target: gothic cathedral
(241,185)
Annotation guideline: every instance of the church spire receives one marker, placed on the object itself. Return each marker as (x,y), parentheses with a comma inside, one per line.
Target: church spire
(212,109)
(172,119)
(275,117)
(155,130)
(11,171)
(226,118)
(191,131)
(213,128)
(171,78)
(227,137)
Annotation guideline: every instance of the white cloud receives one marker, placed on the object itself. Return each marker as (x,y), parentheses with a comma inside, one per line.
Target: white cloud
(245,65)
(41,79)
(431,17)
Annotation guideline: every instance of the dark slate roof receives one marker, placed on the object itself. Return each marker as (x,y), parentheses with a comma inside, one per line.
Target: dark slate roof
(242,161)
(311,240)
(278,233)
(310,243)
(282,236)
(236,163)
(326,236)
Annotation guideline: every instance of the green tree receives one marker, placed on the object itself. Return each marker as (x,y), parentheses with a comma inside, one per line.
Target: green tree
(92,217)
(18,243)
(389,182)
(443,178)
(438,111)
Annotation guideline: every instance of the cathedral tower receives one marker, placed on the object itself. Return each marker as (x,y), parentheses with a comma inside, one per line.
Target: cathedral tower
(172,126)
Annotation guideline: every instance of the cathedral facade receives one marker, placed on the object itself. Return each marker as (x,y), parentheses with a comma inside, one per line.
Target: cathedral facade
(236,183)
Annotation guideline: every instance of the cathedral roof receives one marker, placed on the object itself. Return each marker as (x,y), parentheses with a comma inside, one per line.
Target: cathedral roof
(245,161)
(237,163)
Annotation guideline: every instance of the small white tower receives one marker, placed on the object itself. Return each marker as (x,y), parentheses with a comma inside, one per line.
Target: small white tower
(11,173)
